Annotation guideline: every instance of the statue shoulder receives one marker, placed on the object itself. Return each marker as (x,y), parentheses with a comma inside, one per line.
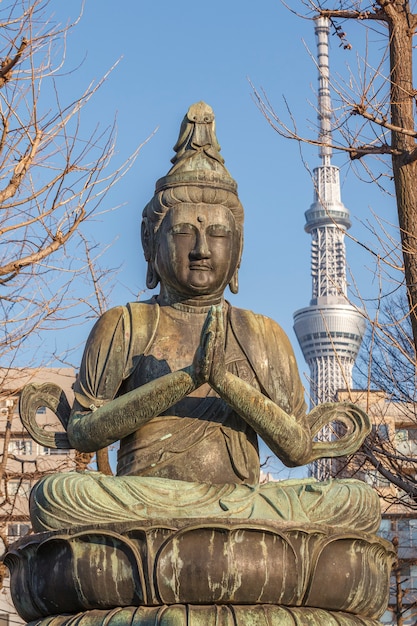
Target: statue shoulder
(123,324)
(102,365)
(261,325)
(106,326)
(143,323)
(270,353)
(119,335)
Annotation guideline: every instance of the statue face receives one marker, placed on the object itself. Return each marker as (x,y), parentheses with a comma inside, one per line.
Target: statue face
(197,249)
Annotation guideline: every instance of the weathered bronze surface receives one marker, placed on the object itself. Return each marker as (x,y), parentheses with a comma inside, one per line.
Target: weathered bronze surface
(187,382)
(220,562)
(211,615)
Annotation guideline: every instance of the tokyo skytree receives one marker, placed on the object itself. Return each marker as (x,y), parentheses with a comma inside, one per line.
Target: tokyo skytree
(329,330)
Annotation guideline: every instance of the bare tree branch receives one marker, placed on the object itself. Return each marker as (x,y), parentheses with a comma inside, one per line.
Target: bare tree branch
(8,64)
(53,180)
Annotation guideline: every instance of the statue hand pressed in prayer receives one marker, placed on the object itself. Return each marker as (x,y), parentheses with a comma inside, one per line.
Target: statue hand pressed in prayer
(289,440)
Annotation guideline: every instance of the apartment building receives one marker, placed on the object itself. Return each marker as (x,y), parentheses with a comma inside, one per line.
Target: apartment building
(394,433)
(23,462)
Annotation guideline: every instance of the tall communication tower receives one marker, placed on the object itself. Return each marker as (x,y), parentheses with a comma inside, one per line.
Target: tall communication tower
(330,330)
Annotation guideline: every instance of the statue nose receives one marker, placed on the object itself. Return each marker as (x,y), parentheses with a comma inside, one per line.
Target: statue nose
(201,248)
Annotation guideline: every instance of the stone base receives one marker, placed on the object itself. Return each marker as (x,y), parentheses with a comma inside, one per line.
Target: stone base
(211,568)
(215,615)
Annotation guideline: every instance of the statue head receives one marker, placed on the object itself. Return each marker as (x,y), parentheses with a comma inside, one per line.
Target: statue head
(197,194)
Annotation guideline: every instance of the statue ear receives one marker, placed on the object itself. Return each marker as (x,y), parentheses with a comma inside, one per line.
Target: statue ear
(147,236)
(234,282)
(147,239)
(152,278)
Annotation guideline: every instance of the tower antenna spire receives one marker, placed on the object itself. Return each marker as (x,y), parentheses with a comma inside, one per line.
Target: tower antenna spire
(324,100)
(329,330)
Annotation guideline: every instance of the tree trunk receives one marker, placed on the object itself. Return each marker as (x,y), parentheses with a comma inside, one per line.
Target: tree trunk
(404,164)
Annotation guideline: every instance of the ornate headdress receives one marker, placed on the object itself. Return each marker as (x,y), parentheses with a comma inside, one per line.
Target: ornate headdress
(198,160)
(198,175)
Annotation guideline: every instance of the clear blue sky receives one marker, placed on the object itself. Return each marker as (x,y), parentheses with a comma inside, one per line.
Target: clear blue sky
(175,53)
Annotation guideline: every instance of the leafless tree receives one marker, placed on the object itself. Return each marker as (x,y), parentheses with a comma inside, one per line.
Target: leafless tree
(52,180)
(375,111)
(373,116)
(387,365)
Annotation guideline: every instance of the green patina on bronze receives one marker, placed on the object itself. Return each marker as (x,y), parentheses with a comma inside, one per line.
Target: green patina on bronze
(217,563)
(186,382)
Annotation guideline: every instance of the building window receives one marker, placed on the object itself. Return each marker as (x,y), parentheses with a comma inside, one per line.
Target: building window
(407,532)
(404,528)
(385,530)
(49,451)
(18,487)
(406,434)
(20,447)
(17,530)
(380,431)
(375,479)
(406,441)
(412,434)
(388,618)
(409,578)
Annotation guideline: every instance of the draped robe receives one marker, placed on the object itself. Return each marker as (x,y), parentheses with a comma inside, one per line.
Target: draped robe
(199,458)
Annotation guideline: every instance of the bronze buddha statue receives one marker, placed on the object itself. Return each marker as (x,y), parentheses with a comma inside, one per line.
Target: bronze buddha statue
(185,534)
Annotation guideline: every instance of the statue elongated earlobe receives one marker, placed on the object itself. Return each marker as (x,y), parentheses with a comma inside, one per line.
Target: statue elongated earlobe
(152,278)
(234,283)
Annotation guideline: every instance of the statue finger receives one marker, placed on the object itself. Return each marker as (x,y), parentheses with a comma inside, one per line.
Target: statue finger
(209,329)
(220,322)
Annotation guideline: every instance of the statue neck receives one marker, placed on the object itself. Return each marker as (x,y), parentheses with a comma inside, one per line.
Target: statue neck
(198,304)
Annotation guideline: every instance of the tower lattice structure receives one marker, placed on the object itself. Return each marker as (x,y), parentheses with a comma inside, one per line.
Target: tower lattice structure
(329,330)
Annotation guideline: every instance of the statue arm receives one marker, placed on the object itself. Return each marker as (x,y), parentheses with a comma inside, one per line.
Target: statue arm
(90,431)
(278,414)
(99,417)
(282,426)
(288,439)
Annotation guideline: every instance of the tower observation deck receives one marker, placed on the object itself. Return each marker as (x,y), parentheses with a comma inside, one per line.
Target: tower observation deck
(329,330)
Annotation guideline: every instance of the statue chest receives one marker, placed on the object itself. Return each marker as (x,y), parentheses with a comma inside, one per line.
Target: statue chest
(175,342)
(173,347)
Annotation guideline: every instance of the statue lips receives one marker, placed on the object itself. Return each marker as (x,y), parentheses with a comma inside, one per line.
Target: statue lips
(201,266)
